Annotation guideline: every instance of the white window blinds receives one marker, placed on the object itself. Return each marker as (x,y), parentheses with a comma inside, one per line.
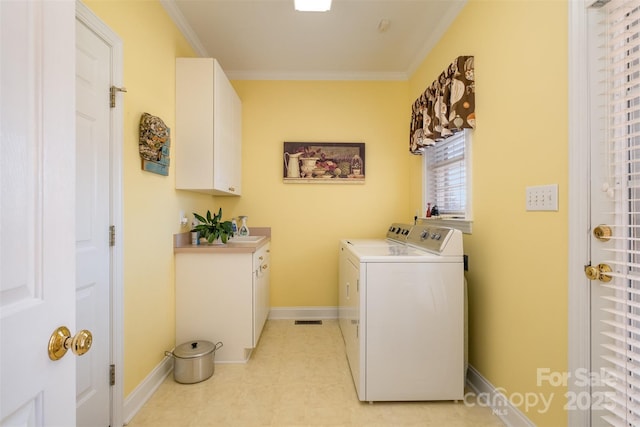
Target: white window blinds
(621,308)
(447,176)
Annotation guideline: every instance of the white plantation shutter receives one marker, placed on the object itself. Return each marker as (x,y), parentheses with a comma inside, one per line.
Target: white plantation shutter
(447,176)
(621,308)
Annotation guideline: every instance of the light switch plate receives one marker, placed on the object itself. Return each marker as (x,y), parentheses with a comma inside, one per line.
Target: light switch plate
(542,198)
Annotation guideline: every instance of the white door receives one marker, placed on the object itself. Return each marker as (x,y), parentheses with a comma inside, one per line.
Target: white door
(93,285)
(37,173)
(615,218)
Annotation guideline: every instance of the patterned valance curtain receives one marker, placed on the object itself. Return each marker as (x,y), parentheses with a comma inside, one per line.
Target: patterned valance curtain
(446,107)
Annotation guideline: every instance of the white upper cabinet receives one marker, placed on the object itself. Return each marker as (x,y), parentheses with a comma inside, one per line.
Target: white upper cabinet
(208,134)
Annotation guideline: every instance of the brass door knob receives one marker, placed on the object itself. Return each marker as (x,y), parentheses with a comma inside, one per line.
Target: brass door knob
(592,272)
(598,272)
(61,341)
(602,232)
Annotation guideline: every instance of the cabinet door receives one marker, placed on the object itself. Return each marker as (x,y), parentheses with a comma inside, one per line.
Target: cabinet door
(236,145)
(227,144)
(222,135)
(261,304)
(214,302)
(193,147)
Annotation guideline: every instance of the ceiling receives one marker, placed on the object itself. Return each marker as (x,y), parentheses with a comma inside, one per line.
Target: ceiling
(268,39)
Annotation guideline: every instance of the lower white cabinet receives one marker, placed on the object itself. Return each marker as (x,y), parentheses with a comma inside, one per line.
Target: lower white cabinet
(223,297)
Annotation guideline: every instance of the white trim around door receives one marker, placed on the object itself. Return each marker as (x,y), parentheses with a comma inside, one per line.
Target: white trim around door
(578,292)
(84,14)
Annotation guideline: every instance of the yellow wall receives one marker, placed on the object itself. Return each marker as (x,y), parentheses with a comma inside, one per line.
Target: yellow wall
(518,260)
(517,277)
(151,204)
(307,220)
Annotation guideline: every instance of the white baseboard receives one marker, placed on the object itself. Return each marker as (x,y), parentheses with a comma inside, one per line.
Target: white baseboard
(494,399)
(303,313)
(141,394)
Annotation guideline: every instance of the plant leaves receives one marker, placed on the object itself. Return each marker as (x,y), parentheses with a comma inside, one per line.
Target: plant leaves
(199,218)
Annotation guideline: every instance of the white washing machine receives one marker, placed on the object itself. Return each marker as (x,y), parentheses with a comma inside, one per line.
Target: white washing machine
(401,312)
(396,234)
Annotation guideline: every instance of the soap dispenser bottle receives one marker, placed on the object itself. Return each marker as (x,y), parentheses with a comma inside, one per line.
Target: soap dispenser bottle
(244,230)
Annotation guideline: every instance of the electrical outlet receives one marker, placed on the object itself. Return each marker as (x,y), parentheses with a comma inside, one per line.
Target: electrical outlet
(184,221)
(542,198)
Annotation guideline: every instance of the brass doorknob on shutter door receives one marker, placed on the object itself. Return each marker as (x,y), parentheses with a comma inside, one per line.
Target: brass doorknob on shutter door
(61,341)
(602,233)
(598,272)
(592,272)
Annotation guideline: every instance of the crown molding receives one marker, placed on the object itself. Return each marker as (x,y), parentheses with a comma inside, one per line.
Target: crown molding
(178,18)
(436,33)
(314,75)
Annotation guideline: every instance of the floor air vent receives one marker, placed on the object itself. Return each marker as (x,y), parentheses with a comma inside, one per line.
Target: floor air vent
(308,322)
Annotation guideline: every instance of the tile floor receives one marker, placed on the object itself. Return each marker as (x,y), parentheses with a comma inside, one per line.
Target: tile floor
(298,376)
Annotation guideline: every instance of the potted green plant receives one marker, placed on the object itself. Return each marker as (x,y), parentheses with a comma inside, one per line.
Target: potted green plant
(213,228)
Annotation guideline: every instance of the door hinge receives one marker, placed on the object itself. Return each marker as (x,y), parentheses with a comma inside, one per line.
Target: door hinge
(112,375)
(112,94)
(112,235)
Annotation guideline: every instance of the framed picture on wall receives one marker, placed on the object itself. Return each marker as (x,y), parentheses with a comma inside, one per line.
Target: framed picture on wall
(324,162)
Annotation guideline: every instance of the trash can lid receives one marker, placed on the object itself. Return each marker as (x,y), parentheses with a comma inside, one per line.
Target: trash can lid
(192,349)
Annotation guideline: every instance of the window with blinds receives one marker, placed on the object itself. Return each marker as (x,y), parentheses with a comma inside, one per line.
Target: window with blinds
(446,176)
(621,307)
